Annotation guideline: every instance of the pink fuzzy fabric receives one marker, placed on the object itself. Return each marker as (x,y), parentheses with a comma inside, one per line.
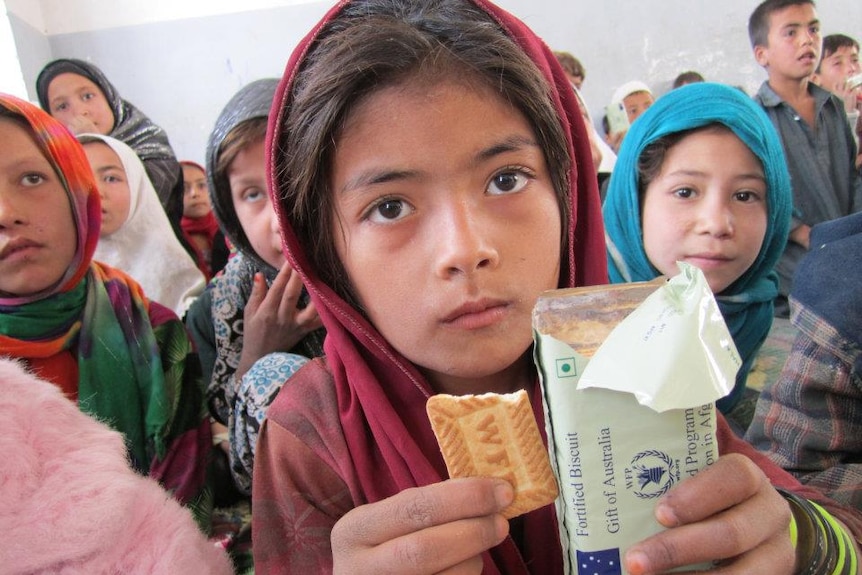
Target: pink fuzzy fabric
(70,503)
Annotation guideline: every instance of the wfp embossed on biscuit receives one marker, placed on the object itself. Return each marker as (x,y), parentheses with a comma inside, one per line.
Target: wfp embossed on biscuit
(495,435)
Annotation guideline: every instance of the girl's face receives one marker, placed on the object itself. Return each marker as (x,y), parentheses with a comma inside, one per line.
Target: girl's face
(80,104)
(449,228)
(113,186)
(38,237)
(247,178)
(196,197)
(706,207)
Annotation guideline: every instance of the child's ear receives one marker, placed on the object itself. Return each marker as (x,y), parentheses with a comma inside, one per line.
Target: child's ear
(761,55)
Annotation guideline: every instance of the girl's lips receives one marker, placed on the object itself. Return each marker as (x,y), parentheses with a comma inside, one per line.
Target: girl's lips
(17,245)
(707,261)
(478,314)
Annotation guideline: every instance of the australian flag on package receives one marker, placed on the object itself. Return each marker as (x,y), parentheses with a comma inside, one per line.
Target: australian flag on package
(604,562)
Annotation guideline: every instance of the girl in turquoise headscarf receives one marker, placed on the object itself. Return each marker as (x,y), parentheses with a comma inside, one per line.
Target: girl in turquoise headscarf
(701,177)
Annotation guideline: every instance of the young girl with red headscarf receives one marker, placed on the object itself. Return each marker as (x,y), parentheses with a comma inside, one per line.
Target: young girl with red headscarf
(432,175)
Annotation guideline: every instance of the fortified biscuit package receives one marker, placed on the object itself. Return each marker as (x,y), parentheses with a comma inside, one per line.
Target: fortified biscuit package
(630,374)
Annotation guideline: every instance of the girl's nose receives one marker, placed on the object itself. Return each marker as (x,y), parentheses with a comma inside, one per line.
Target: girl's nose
(10,215)
(715,219)
(465,245)
(273,221)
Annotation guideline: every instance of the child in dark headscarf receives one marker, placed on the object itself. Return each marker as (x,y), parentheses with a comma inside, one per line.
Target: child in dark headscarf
(701,177)
(86,327)
(82,98)
(432,176)
(254,317)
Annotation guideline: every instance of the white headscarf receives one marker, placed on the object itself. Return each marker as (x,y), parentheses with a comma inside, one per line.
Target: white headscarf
(628,89)
(145,246)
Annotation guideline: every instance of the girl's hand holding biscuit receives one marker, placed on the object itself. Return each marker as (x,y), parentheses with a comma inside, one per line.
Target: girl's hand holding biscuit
(439,528)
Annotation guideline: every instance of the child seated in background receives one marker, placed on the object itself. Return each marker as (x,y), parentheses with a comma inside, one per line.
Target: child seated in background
(397,119)
(686,78)
(72,503)
(82,98)
(199,222)
(603,156)
(705,170)
(634,97)
(255,318)
(572,67)
(82,325)
(810,420)
(839,63)
(136,236)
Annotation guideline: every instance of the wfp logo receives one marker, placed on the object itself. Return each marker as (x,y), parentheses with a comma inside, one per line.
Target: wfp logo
(651,473)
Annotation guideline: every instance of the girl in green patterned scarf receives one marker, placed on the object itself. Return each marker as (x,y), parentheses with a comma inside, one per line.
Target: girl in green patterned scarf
(84,326)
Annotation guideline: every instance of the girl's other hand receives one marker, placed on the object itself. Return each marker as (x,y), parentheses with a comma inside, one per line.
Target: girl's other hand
(439,528)
(272,322)
(729,514)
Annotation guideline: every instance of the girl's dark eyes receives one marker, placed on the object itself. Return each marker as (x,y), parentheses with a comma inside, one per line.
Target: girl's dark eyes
(683,192)
(392,209)
(31,180)
(388,210)
(252,195)
(509,181)
(746,196)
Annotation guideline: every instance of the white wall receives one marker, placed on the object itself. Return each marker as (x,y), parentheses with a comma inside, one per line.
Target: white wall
(181,68)
(11,77)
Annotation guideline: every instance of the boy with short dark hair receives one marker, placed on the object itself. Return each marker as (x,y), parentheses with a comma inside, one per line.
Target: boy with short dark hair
(818,142)
(840,62)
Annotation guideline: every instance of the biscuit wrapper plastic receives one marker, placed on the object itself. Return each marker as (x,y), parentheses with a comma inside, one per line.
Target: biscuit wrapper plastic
(630,374)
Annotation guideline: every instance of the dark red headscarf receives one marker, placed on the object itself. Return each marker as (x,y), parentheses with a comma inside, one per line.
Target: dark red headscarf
(381,394)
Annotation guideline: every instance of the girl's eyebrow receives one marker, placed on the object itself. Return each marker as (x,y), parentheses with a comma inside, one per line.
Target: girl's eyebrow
(743,176)
(109,167)
(381,176)
(376,176)
(511,144)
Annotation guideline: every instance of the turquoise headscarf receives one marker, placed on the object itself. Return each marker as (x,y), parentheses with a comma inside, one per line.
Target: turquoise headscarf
(747,303)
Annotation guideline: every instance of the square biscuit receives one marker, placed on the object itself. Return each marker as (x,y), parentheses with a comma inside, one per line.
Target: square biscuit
(495,435)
